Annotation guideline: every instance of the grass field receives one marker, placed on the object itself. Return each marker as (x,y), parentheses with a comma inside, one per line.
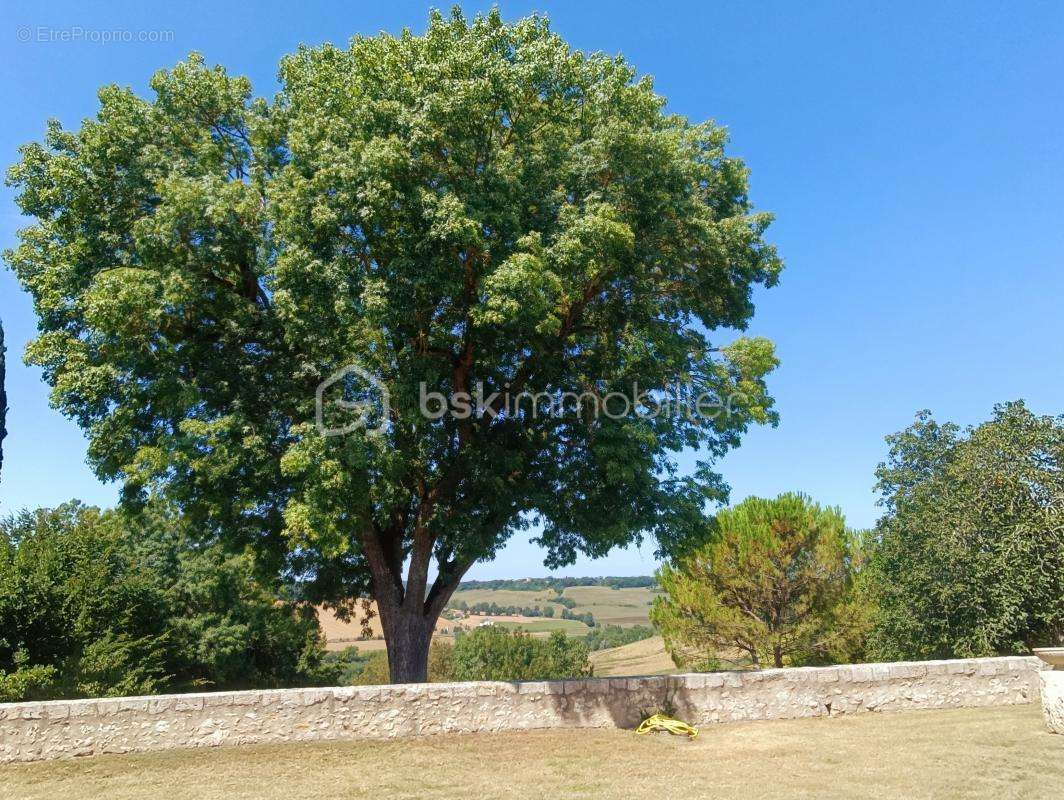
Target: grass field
(608,606)
(613,606)
(645,657)
(624,607)
(947,755)
(340,635)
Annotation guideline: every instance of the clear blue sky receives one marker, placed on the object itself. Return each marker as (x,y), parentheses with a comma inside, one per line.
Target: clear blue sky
(914,158)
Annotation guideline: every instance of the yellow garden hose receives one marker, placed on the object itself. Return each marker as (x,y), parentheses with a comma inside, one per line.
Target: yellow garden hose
(659,722)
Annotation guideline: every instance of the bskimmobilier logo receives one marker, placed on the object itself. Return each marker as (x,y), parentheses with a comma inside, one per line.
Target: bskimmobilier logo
(367,410)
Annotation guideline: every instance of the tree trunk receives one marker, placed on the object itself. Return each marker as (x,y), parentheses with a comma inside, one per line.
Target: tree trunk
(409,610)
(407,636)
(777,656)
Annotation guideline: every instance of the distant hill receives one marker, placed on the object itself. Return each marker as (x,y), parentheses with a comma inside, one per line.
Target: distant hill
(575,606)
(593,603)
(541,584)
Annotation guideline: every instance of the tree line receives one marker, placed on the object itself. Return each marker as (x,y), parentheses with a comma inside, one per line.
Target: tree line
(967,560)
(608,636)
(95,603)
(560,584)
(496,609)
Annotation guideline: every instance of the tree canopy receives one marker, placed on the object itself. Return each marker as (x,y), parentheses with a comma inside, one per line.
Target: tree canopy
(775,581)
(478,206)
(970,553)
(95,604)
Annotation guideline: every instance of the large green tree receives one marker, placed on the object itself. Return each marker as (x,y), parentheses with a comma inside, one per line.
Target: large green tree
(970,553)
(95,603)
(477,206)
(775,581)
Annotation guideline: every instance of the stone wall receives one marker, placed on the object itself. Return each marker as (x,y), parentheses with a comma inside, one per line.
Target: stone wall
(1053,699)
(34,731)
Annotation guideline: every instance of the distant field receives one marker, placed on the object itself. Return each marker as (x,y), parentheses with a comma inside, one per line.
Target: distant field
(571,627)
(609,606)
(646,657)
(613,606)
(341,635)
(625,607)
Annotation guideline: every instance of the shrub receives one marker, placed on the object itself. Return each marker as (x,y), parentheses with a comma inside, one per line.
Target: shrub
(375,670)
(348,664)
(492,654)
(27,682)
(496,654)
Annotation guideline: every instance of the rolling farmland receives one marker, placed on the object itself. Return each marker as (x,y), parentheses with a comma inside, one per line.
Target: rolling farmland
(624,607)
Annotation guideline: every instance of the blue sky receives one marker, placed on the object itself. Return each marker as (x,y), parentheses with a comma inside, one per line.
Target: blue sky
(914,159)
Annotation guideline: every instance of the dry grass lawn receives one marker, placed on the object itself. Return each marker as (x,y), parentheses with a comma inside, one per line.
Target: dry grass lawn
(979,753)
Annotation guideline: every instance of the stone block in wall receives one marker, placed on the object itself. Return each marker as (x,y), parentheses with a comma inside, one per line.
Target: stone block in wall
(1051,689)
